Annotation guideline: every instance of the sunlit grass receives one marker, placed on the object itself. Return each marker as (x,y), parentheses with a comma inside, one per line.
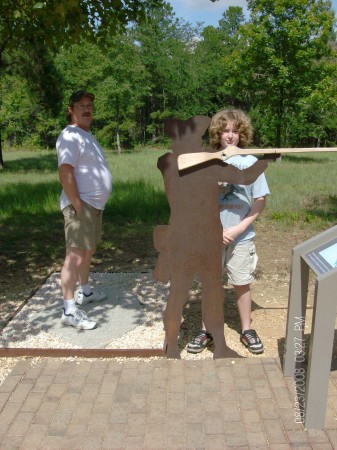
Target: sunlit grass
(302,187)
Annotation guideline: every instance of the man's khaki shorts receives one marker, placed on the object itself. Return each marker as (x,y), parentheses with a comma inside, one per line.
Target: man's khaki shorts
(240,262)
(83,231)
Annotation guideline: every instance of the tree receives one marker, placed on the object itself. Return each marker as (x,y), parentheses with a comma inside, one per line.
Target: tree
(166,47)
(230,23)
(118,78)
(319,106)
(210,70)
(25,24)
(123,87)
(56,22)
(17,107)
(280,58)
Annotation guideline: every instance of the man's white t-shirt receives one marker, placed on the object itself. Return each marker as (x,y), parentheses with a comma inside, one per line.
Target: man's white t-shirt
(81,150)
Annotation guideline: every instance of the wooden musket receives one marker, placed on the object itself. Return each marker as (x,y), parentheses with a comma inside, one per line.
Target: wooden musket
(187,160)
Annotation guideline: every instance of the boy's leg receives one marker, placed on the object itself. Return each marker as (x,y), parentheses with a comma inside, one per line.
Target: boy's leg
(212,305)
(241,260)
(213,315)
(241,264)
(248,337)
(244,303)
(201,340)
(213,318)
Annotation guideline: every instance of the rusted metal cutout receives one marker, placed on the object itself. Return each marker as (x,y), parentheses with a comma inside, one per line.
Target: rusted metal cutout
(192,241)
(81,352)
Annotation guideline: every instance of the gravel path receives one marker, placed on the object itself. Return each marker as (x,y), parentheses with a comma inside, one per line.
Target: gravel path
(152,298)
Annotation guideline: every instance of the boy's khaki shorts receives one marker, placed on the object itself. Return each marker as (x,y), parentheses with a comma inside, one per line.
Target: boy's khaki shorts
(83,231)
(240,262)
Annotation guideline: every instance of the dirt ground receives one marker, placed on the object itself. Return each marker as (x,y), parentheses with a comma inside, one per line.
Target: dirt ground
(270,291)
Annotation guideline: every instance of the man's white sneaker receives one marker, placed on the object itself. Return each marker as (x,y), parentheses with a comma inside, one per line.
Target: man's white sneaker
(95,296)
(78,319)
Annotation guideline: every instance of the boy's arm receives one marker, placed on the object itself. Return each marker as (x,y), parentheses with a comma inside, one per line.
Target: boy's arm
(231,233)
(68,181)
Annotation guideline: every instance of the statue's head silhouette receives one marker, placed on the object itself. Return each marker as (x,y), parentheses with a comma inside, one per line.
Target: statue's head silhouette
(186,135)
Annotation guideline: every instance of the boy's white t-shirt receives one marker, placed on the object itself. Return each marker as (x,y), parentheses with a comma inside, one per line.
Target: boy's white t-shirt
(81,150)
(236,199)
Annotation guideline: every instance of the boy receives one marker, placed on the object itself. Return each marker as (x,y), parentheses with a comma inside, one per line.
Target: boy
(239,207)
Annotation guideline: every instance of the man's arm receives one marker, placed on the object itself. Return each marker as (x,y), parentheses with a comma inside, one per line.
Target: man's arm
(68,181)
(231,233)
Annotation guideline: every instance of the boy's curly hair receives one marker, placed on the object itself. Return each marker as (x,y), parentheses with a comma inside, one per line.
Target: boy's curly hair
(219,123)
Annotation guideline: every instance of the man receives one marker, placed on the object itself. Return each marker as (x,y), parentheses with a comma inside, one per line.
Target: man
(87,184)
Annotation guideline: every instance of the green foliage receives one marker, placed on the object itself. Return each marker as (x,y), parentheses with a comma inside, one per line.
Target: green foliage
(29,185)
(122,89)
(30,30)
(16,108)
(281,59)
(166,50)
(302,188)
(278,64)
(24,23)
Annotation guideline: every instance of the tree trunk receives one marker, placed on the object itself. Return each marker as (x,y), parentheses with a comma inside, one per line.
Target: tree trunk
(1,157)
(118,139)
(119,148)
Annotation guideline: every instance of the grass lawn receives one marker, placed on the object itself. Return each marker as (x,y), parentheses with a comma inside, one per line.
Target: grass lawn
(31,225)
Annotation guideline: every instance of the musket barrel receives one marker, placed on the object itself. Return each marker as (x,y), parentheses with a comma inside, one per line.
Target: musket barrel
(187,160)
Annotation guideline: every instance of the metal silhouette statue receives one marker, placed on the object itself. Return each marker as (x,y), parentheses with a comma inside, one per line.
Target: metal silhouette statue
(192,241)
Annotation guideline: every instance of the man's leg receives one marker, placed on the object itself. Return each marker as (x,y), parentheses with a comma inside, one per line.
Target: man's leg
(84,269)
(85,293)
(70,271)
(69,275)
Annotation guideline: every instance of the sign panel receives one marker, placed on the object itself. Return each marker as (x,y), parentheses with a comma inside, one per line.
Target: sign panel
(324,258)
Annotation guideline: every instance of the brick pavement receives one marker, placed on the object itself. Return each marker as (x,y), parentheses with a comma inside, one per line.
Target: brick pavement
(241,404)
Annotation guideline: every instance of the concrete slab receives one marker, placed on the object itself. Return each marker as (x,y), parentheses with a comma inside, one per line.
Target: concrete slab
(116,315)
(38,323)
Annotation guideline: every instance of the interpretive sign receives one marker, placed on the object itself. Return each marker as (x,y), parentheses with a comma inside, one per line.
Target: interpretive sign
(320,255)
(324,258)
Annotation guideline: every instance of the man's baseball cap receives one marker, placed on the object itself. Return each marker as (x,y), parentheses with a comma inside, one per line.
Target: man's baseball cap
(76,97)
